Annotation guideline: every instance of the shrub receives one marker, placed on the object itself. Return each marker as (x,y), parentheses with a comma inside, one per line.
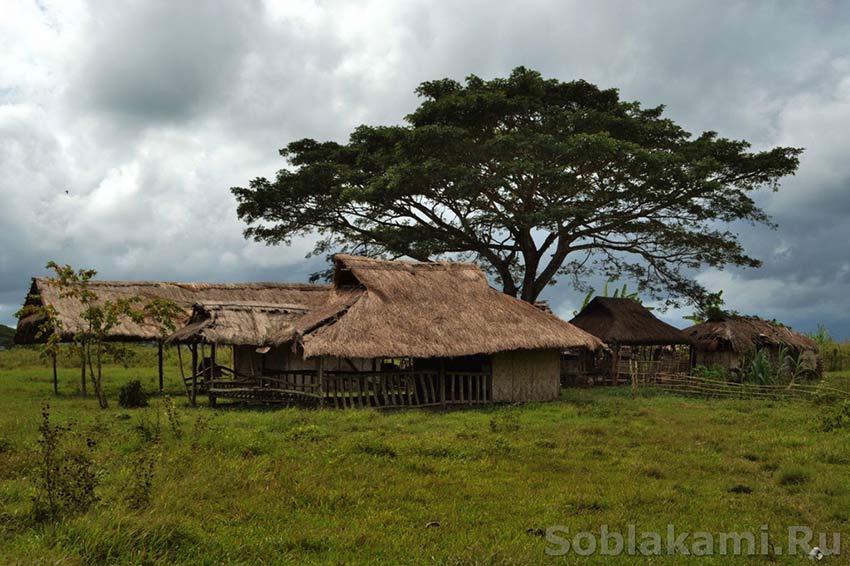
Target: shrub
(132,395)
(64,476)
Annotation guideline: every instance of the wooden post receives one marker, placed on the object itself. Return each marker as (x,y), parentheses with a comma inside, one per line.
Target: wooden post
(320,374)
(55,376)
(615,362)
(442,381)
(194,373)
(159,362)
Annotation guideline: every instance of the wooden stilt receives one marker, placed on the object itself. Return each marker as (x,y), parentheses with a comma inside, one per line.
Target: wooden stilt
(194,396)
(321,375)
(180,361)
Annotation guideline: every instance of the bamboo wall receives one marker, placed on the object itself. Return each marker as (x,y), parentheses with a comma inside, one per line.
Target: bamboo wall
(526,375)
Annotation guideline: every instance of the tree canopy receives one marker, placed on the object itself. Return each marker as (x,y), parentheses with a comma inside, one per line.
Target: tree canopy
(533,178)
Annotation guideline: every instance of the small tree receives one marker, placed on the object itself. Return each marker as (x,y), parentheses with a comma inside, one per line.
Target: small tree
(98,318)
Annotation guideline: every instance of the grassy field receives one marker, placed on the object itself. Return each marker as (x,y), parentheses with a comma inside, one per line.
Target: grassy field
(473,486)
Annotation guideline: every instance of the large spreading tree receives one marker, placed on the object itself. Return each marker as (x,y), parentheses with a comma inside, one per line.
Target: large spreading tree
(533,178)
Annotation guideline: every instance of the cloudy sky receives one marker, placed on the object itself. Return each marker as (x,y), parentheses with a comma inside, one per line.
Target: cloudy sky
(123,124)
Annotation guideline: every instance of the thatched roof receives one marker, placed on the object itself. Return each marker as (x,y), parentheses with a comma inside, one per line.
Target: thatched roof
(625,321)
(184,294)
(240,324)
(741,334)
(397,308)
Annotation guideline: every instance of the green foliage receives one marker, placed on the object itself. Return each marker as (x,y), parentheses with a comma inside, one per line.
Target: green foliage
(64,476)
(716,372)
(709,308)
(835,355)
(535,178)
(132,395)
(758,369)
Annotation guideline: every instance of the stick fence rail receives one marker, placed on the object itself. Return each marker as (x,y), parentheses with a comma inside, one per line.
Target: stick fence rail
(357,389)
(683,384)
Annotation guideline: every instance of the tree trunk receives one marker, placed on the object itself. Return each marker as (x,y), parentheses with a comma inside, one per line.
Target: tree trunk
(83,368)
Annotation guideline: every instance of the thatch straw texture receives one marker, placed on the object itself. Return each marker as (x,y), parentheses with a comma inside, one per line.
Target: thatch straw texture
(742,334)
(240,324)
(184,294)
(625,321)
(423,310)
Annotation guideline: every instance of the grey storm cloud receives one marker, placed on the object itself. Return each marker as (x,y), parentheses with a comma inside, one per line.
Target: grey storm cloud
(147,112)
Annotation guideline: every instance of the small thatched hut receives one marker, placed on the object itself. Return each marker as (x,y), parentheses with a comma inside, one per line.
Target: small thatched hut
(634,336)
(398,333)
(730,340)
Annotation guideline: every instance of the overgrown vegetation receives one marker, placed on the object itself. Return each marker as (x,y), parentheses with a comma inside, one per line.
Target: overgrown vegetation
(64,478)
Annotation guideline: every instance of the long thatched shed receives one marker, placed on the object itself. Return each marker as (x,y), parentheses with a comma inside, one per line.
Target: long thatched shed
(729,340)
(67,310)
(185,295)
(405,333)
(635,336)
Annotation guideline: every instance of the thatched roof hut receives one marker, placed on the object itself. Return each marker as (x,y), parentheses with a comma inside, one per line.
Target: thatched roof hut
(624,321)
(426,310)
(741,334)
(184,295)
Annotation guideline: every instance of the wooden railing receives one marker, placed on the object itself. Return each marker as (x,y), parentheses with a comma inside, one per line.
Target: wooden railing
(468,388)
(360,389)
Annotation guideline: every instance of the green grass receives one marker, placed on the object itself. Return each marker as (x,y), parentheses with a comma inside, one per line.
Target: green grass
(360,486)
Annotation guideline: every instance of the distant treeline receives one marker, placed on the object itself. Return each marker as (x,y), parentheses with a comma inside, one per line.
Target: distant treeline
(7,336)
